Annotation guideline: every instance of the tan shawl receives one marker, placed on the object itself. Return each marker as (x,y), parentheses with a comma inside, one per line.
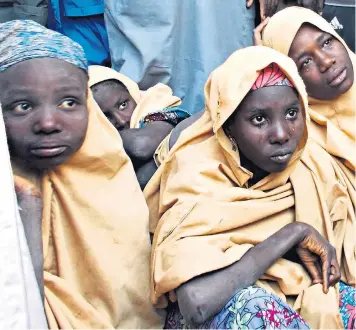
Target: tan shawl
(155,98)
(206,216)
(95,237)
(333,125)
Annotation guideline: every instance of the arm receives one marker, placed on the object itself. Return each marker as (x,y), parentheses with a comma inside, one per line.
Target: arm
(182,126)
(204,296)
(31,216)
(145,173)
(141,143)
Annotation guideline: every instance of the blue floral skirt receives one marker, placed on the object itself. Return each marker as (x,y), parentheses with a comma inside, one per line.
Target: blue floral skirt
(348,305)
(255,308)
(250,308)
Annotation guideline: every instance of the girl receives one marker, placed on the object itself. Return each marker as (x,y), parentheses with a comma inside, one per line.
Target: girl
(246,206)
(326,66)
(95,243)
(143,118)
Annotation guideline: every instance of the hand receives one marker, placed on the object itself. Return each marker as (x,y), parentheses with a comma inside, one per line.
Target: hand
(319,257)
(257,32)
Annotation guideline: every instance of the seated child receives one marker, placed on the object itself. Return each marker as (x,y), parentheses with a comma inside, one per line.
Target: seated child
(143,118)
(248,208)
(93,226)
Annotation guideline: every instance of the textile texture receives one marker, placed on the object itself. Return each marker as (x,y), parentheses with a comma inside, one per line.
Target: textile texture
(22,40)
(250,308)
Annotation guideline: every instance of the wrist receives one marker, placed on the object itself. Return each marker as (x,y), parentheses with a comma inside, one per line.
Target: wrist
(302,230)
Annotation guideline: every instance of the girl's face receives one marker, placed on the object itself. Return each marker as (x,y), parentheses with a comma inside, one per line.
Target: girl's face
(45,112)
(267,127)
(323,63)
(115,102)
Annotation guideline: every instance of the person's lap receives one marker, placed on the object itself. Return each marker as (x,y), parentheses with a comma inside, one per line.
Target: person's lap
(250,308)
(255,308)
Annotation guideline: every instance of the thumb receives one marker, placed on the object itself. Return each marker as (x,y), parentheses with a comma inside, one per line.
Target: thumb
(249,3)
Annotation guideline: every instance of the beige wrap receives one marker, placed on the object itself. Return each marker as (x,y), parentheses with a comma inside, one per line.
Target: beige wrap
(95,237)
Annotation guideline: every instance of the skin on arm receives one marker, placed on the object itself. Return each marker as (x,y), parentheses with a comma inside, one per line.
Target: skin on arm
(30,204)
(141,143)
(204,296)
(145,173)
(182,126)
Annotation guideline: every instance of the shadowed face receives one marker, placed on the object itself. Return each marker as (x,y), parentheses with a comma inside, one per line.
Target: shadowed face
(323,63)
(45,111)
(267,127)
(115,102)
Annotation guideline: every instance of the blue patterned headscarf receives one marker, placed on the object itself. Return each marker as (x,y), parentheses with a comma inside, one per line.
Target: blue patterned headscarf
(23,40)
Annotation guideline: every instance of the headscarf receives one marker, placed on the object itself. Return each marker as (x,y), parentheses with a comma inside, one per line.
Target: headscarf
(206,216)
(271,75)
(148,102)
(22,40)
(333,121)
(96,246)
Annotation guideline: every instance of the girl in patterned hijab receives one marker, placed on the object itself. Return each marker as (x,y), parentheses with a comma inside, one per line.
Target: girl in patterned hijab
(70,164)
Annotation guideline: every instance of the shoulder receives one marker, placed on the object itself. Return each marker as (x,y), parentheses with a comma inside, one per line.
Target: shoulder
(182,126)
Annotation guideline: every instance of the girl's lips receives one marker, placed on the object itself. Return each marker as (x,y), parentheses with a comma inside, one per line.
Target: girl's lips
(338,79)
(48,151)
(281,159)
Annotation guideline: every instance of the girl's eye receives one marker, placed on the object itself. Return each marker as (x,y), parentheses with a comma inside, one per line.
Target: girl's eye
(306,62)
(258,120)
(68,104)
(292,114)
(22,108)
(123,105)
(327,42)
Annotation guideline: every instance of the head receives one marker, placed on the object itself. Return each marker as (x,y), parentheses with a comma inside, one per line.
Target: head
(115,101)
(322,57)
(268,124)
(43,93)
(323,63)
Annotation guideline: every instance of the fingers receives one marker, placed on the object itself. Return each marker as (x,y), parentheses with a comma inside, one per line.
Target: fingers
(326,272)
(249,3)
(257,32)
(335,274)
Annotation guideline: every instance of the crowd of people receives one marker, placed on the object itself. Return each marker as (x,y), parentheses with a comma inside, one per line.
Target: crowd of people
(184,165)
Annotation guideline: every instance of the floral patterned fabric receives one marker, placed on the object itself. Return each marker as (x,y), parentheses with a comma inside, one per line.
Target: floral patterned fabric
(173,115)
(250,308)
(348,305)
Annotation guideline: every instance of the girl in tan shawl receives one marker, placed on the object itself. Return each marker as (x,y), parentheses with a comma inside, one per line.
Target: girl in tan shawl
(245,201)
(143,118)
(327,67)
(94,221)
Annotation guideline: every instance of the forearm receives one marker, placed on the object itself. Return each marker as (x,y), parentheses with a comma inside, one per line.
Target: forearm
(204,296)
(141,143)
(145,173)
(31,216)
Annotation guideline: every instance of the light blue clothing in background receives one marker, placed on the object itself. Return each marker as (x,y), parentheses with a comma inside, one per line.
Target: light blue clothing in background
(82,21)
(176,42)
